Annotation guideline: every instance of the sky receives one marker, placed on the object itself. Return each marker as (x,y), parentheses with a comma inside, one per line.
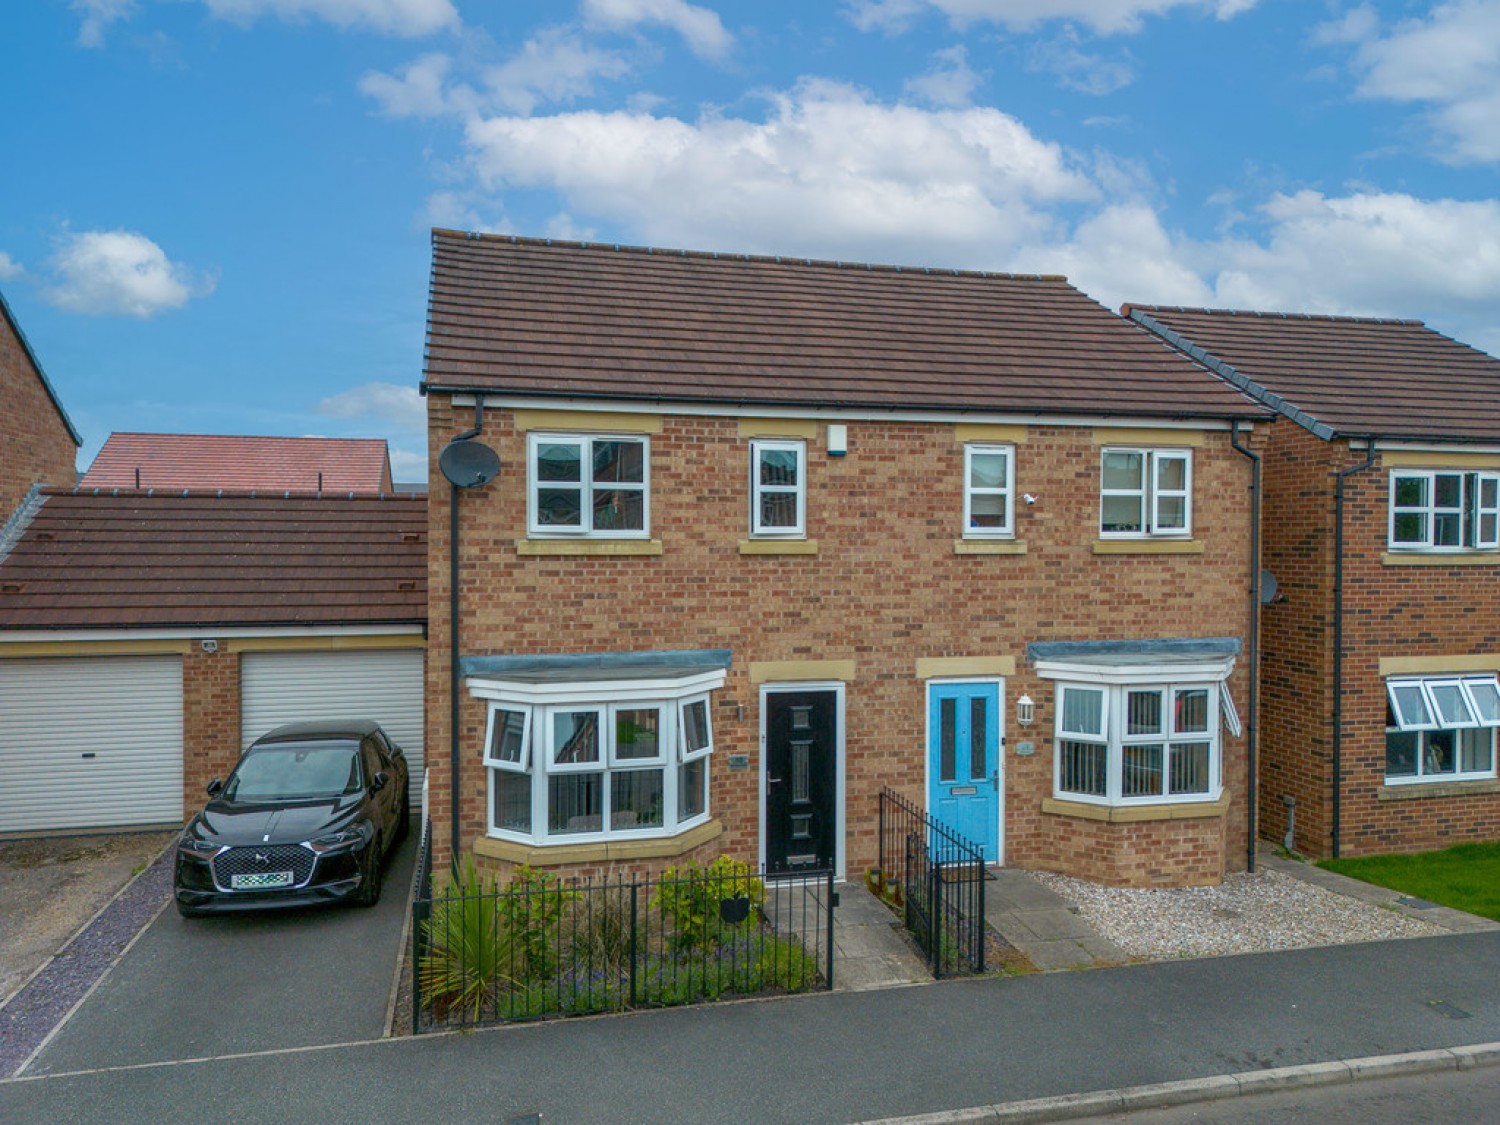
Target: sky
(215,214)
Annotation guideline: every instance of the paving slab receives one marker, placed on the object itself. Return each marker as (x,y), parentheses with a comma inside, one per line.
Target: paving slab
(869,950)
(1043,925)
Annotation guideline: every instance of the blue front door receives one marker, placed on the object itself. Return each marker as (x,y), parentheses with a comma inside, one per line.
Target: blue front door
(963,761)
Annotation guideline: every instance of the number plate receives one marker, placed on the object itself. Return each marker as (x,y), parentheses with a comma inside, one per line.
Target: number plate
(261,880)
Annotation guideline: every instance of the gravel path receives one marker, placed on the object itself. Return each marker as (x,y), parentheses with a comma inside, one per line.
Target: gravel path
(31,1014)
(1245,914)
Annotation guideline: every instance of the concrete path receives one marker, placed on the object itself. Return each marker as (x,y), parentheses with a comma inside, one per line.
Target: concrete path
(869,950)
(1044,925)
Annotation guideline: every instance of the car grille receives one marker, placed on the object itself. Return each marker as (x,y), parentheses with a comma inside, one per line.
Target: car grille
(252,861)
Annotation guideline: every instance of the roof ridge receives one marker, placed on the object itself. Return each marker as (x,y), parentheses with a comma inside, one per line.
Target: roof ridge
(211,492)
(718,255)
(1129,307)
(238,437)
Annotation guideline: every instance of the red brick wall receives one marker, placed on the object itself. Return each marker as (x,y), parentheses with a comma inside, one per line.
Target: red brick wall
(884,590)
(35,446)
(210,719)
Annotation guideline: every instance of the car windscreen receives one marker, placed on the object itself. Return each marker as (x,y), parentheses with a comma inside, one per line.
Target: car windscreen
(295,771)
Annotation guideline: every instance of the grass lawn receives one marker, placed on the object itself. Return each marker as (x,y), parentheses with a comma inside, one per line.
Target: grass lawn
(1466,876)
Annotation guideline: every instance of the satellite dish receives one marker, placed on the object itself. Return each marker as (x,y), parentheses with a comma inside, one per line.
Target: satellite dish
(469,464)
(1267,587)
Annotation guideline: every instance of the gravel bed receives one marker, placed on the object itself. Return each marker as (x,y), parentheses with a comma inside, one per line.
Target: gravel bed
(31,1014)
(1245,914)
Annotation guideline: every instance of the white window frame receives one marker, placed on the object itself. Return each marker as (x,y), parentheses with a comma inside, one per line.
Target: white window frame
(757,489)
(1007,529)
(1472,510)
(585,486)
(1438,721)
(1151,493)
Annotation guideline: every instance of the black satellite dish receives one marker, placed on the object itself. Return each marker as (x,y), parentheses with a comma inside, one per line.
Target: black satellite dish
(469,464)
(1267,587)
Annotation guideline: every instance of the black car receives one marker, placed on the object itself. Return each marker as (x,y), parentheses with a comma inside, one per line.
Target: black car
(306,817)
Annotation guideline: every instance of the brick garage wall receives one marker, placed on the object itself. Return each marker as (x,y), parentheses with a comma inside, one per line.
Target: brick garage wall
(35,445)
(885,590)
(210,719)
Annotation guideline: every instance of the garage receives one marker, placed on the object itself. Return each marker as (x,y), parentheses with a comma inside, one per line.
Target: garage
(90,742)
(296,686)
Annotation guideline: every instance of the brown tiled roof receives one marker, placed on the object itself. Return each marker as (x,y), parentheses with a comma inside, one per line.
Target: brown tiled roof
(133,559)
(231,461)
(1344,375)
(535,318)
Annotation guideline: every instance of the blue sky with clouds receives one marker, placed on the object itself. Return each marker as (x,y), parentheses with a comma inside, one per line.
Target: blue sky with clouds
(214,213)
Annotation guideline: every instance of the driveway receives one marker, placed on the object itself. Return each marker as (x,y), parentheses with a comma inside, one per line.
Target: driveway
(190,988)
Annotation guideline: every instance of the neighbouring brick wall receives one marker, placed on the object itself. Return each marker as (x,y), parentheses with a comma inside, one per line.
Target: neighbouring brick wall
(210,720)
(35,445)
(884,590)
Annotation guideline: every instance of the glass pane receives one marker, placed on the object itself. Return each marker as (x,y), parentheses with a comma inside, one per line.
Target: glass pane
(1143,712)
(989,470)
(635,799)
(575,737)
(1171,473)
(1189,767)
(778,466)
(1489,491)
(512,793)
(1411,705)
(979,766)
(778,509)
(506,745)
(1411,492)
(1447,529)
(947,740)
(1141,771)
(619,509)
(559,507)
(695,734)
(619,461)
(1401,753)
(638,733)
(801,763)
(575,803)
(1489,528)
(1437,752)
(1171,513)
(692,788)
(560,462)
(987,511)
(1083,711)
(1192,712)
(1447,489)
(1409,527)
(1080,768)
(1453,709)
(1486,697)
(1122,513)
(1476,750)
(1124,470)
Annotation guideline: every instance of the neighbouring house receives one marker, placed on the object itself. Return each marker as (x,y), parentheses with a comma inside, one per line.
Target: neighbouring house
(1382,511)
(147,637)
(769,535)
(38,444)
(241,463)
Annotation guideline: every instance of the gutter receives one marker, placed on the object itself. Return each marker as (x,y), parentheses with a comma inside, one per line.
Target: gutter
(1338,635)
(1252,728)
(455,757)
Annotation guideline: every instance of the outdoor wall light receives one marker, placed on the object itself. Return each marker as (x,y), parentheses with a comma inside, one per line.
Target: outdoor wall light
(1025,711)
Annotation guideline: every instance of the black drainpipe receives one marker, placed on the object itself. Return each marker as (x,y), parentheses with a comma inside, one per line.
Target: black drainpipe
(455,758)
(1252,731)
(1338,634)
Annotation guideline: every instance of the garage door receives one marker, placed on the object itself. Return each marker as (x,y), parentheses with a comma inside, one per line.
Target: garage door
(293,687)
(90,742)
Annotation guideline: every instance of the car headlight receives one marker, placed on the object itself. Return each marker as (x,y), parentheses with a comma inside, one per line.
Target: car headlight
(350,837)
(194,846)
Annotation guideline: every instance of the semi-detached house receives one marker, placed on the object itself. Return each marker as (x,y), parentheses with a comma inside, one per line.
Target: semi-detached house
(770,535)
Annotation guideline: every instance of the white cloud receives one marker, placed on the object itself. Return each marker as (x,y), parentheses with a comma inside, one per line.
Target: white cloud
(555,65)
(949,83)
(700,28)
(390,17)
(408,467)
(418,91)
(395,403)
(1076,69)
(1106,17)
(97,16)
(120,273)
(10,269)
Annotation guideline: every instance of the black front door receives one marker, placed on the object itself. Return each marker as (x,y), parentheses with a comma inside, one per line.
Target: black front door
(801,780)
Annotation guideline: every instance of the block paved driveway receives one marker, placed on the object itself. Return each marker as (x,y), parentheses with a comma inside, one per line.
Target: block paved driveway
(191,988)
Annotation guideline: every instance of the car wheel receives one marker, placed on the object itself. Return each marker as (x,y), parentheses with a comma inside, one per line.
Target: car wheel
(369,893)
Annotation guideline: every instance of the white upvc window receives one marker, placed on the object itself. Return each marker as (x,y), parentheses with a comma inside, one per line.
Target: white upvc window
(589,485)
(1444,511)
(1441,728)
(989,506)
(1145,492)
(778,488)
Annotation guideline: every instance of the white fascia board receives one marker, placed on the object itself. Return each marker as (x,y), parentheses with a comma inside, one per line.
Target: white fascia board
(852,414)
(84,636)
(593,691)
(1175,672)
(1431,446)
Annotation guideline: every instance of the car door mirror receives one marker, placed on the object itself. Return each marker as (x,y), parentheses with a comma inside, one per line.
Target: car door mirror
(215,787)
(379,783)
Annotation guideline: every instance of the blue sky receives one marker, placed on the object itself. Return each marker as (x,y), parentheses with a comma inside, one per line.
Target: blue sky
(214,214)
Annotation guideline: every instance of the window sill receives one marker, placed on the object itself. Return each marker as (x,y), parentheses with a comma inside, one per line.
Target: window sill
(1440,558)
(778,546)
(1416,790)
(599,851)
(576,547)
(988,547)
(1136,814)
(1148,546)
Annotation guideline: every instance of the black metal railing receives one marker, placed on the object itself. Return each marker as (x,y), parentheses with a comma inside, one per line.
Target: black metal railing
(935,879)
(421,909)
(539,947)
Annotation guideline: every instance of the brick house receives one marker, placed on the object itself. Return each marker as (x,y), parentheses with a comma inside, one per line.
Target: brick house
(146,638)
(769,535)
(1381,647)
(38,444)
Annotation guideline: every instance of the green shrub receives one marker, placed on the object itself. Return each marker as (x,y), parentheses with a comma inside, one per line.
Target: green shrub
(689,896)
(531,907)
(468,954)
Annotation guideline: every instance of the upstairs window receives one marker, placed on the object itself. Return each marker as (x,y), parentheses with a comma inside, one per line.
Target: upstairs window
(1441,729)
(1145,492)
(592,486)
(988,506)
(1438,511)
(778,488)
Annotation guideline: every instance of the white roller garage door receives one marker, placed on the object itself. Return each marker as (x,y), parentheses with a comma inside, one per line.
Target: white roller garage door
(293,687)
(90,742)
